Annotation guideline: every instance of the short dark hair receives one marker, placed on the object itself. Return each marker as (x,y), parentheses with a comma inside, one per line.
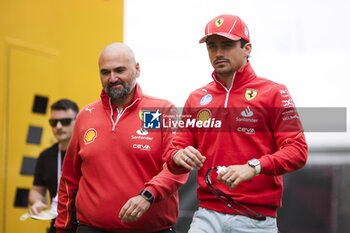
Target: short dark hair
(243,42)
(65,104)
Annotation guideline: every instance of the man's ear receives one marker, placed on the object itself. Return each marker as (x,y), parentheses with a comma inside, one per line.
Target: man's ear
(247,49)
(138,71)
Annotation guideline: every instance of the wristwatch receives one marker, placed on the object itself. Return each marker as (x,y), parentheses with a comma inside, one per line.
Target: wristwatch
(255,163)
(147,195)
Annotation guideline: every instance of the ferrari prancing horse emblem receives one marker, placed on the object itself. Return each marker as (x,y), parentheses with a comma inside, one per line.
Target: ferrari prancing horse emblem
(250,94)
(219,22)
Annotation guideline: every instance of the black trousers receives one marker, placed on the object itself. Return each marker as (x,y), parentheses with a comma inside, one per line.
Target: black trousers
(87,229)
(51,229)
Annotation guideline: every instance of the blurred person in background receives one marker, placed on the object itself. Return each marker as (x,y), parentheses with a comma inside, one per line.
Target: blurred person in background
(49,164)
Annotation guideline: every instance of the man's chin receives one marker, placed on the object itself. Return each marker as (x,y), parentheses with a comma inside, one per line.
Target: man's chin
(118,96)
(223,71)
(61,137)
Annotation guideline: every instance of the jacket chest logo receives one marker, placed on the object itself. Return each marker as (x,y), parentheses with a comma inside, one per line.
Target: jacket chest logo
(90,135)
(250,94)
(206,99)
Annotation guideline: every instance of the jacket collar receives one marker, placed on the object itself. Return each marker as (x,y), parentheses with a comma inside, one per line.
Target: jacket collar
(138,95)
(242,76)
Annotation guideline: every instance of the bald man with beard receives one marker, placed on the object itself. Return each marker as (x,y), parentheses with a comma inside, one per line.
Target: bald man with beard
(117,167)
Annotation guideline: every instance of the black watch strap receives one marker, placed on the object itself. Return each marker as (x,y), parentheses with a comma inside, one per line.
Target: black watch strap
(147,195)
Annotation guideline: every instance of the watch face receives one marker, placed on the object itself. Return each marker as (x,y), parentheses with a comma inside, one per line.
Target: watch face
(147,194)
(254,162)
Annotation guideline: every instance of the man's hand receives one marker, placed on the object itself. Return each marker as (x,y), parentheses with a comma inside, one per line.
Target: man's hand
(234,174)
(37,207)
(133,209)
(189,158)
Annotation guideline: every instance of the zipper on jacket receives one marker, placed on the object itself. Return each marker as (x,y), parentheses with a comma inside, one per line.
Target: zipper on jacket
(120,113)
(227,91)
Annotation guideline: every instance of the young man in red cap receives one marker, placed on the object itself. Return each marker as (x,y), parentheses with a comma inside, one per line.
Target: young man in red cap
(260,138)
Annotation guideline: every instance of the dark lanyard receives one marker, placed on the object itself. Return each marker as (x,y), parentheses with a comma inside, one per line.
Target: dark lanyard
(230,201)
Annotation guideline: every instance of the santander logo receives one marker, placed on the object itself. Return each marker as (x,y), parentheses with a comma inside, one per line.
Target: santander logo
(247,112)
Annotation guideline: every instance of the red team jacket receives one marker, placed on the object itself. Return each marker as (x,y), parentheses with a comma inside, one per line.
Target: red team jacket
(259,120)
(111,160)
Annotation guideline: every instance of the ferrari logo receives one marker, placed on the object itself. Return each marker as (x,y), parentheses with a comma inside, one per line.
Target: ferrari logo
(141,115)
(219,22)
(250,94)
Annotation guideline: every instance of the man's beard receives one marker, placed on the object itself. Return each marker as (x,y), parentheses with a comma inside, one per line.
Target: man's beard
(224,71)
(117,93)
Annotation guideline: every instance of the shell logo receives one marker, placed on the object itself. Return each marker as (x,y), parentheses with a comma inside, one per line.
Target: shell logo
(204,115)
(90,135)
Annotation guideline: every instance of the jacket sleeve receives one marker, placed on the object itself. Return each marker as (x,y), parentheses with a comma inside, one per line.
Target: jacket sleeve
(289,135)
(183,138)
(68,183)
(165,183)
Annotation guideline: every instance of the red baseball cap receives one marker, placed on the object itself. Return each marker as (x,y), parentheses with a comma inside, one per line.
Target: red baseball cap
(229,26)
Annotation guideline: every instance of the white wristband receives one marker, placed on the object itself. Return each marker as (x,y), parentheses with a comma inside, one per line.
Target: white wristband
(258,170)
(176,154)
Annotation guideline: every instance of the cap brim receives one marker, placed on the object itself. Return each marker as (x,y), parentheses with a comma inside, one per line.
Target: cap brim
(229,36)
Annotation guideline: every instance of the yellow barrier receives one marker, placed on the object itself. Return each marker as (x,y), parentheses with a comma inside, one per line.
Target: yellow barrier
(48,50)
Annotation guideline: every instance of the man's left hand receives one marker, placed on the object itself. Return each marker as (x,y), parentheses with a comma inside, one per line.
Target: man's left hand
(133,209)
(235,174)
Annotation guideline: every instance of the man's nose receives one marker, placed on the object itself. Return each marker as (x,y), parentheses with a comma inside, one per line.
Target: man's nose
(219,52)
(59,125)
(114,77)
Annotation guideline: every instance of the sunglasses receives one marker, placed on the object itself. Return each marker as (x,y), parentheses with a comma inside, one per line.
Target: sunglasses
(63,121)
